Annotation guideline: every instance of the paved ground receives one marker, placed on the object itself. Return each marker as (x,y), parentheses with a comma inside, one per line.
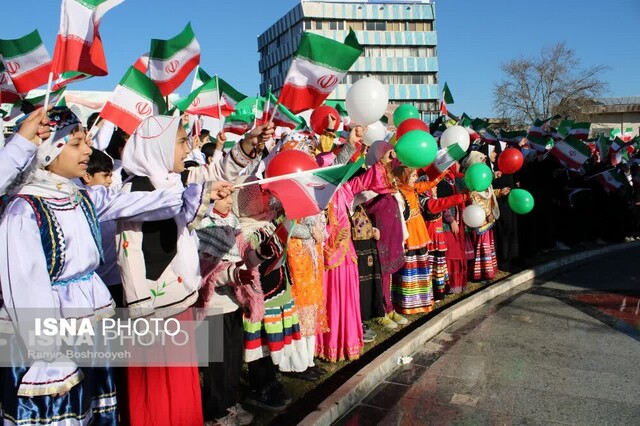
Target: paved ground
(565,352)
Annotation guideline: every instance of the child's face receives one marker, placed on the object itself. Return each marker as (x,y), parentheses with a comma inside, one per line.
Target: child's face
(73,159)
(99,178)
(224,206)
(413,177)
(181,150)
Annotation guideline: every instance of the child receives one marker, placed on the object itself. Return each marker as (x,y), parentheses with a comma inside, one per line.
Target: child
(160,269)
(484,264)
(51,248)
(412,290)
(432,208)
(228,284)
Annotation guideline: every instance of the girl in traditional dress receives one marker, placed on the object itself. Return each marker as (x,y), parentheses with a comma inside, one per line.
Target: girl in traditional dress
(432,211)
(484,265)
(454,234)
(387,215)
(412,290)
(51,249)
(344,340)
(160,269)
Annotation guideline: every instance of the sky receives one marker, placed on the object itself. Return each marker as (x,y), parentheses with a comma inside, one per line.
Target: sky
(474,38)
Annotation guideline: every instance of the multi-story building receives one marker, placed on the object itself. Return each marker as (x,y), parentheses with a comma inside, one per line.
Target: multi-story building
(398,36)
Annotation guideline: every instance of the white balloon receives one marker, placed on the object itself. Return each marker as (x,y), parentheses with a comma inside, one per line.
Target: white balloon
(367,101)
(473,216)
(375,132)
(455,134)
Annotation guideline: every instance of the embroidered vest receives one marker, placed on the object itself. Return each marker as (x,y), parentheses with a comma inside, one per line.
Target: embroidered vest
(51,234)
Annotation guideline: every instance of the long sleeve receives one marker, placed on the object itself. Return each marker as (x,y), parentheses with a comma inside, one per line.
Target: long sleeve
(437,205)
(345,155)
(375,179)
(14,158)
(422,187)
(103,135)
(27,293)
(140,206)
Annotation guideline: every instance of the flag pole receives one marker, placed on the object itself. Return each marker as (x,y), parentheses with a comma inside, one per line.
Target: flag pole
(219,108)
(48,93)
(287,176)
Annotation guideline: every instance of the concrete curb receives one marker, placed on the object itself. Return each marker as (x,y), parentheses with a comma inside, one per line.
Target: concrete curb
(360,385)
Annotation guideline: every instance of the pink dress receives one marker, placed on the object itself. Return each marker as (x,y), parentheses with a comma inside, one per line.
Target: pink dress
(341,281)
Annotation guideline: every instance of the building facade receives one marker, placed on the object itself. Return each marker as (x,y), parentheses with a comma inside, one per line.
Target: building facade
(399,40)
(607,114)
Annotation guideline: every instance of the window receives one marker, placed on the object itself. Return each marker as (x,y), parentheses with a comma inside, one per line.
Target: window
(356,25)
(395,26)
(370,26)
(411,26)
(381,26)
(336,25)
(318,25)
(307,24)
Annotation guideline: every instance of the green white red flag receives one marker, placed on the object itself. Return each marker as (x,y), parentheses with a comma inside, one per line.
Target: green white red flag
(238,124)
(282,117)
(446,99)
(79,52)
(540,128)
(318,66)
(142,63)
(8,93)
(308,193)
(572,152)
(611,180)
(27,61)
(212,96)
(580,130)
(171,61)
(602,145)
(134,99)
(445,158)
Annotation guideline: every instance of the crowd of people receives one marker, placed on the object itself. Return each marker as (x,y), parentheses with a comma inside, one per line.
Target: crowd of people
(153,222)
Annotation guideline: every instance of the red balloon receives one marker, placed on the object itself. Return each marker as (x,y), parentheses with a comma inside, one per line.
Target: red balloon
(510,161)
(411,124)
(320,119)
(291,161)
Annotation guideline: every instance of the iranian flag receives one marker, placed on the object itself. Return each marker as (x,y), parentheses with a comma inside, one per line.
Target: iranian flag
(572,152)
(446,99)
(79,53)
(488,136)
(318,66)
(171,61)
(142,64)
(540,128)
(513,138)
(27,61)
(8,92)
(445,158)
(611,180)
(540,144)
(135,98)
(308,193)
(466,122)
(580,130)
(625,136)
(36,101)
(602,145)
(215,94)
(282,117)
(238,124)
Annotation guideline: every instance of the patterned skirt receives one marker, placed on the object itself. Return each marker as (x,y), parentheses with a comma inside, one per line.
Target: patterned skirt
(484,265)
(412,290)
(277,335)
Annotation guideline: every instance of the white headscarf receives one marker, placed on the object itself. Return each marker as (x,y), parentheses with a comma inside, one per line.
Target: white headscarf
(150,151)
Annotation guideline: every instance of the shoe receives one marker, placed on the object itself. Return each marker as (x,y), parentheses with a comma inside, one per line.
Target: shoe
(387,323)
(628,239)
(281,392)
(228,420)
(307,375)
(243,417)
(397,318)
(369,335)
(267,399)
(318,370)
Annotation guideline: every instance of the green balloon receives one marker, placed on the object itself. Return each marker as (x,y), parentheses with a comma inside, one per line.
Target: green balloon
(478,177)
(417,148)
(521,201)
(404,112)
